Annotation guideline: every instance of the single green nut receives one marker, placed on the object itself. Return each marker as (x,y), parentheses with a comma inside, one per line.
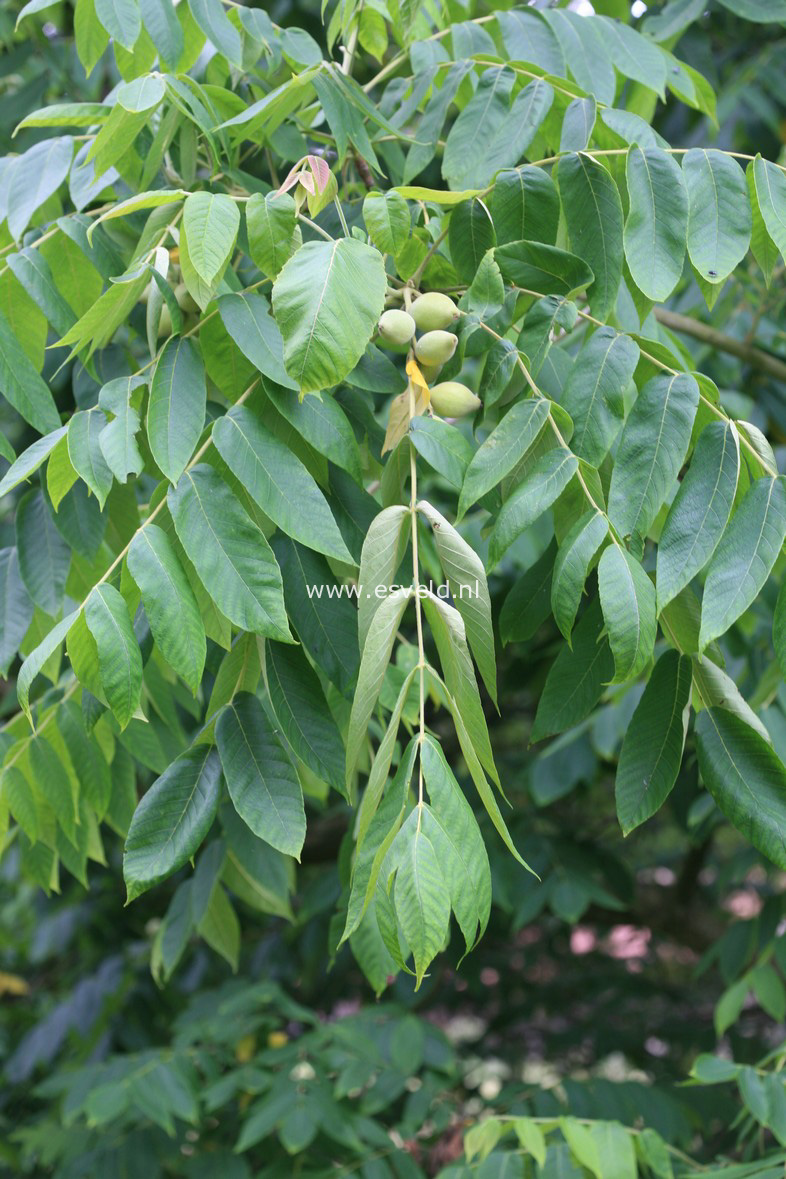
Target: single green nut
(435,347)
(434,311)
(451,399)
(396,328)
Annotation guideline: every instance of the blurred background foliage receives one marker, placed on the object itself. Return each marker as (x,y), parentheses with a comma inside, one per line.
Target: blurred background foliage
(593,995)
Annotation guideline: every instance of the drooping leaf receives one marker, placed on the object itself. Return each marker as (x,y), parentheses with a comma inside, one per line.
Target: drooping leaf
(119,657)
(379,560)
(628,599)
(261,780)
(172,819)
(653,743)
(248,320)
(524,206)
(421,898)
(572,566)
(577,677)
(176,410)
(387,219)
(302,712)
(30,460)
(84,451)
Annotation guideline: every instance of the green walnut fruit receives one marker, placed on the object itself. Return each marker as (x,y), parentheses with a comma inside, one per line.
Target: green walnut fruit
(185,300)
(434,311)
(435,347)
(165,322)
(451,399)
(396,328)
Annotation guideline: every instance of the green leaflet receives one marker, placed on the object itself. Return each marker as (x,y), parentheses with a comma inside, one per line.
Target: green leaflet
(118,438)
(572,565)
(443,446)
(763,247)
(52,779)
(489,133)
(381,555)
(576,678)
(325,324)
(44,556)
(387,219)
(628,599)
(486,294)
(543,268)
(541,486)
(382,830)
(770,184)
(593,213)
(121,20)
(657,223)
(278,482)
(30,460)
(470,235)
(170,605)
(176,410)
(373,664)
(272,230)
(744,558)
(160,21)
(119,657)
(455,834)
(261,780)
(380,767)
(323,424)
(466,577)
(594,392)
(84,450)
(38,657)
(746,778)
(230,554)
(16,608)
(524,206)
(578,124)
(421,898)
(504,448)
(528,604)
(172,819)
(248,320)
(700,511)
(719,221)
(651,451)
(654,740)
(22,386)
(217,27)
(303,714)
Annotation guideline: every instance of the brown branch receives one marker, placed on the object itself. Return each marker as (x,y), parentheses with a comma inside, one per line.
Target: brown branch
(755,357)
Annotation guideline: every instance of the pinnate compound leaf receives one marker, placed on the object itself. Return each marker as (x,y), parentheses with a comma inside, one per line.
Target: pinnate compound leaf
(651,451)
(719,219)
(327,300)
(654,740)
(700,511)
(261,779)
(278,482)
(176,410)
(303,713)
(119,657)
(172,819)
(628,599)
(170,605)
(745,556)
(746,778)
(229,552)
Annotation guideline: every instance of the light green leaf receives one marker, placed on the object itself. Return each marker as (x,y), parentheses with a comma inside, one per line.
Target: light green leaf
(387,219)
(303,713)
(210,225)
(466,577)
(593,214)
(85,453)
(118,438)
(719,221)
(121,20)
(652,449)
(746,778)
(443,446)
(594,392)
(248,320)
(628,599)
(486,294)
(763,247)
(176,409)
(30,460)
(278,482)
(541,486)
(504,448)
(119,657)
(373,664)
(421,896)
(22,386)
(218,28)
(656,227)
(744,558)
(261,779)
(327,301)
(572,566)
(770,184)
(161,23)
(230,554)
(172,819)
(170,605)
(38,657)
(654,740)
(273,234)
(381,555)
(700,511)
(35,176)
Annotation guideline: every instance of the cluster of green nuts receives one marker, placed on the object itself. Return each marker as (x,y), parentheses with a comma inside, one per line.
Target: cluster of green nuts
(430,315)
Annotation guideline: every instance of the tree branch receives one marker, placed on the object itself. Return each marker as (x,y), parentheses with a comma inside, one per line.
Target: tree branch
(755,357)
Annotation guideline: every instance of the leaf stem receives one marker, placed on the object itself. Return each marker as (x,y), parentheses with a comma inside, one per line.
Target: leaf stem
(413,486)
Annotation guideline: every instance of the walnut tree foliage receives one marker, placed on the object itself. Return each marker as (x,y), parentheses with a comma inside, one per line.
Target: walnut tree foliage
(250,562)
